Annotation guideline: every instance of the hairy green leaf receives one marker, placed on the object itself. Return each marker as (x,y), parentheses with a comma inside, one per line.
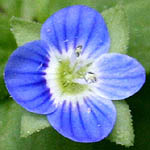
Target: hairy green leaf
(118,28)
(31,123)
(122,133)
(10,115)
(25,31)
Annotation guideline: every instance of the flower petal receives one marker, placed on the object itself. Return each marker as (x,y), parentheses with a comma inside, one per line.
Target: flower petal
(88,120)
(24,77)
(77,26)
(120,76)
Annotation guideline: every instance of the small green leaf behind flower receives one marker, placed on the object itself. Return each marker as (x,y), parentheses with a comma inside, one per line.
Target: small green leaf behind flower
(31,123)
(117,23)
(24,31)
(123,132)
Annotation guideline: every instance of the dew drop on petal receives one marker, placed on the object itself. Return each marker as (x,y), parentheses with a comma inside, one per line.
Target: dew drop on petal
(48,30)
(89,110)
(66,40)
(99,125)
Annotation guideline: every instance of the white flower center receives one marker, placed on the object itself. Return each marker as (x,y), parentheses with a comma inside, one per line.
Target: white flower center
(70,75)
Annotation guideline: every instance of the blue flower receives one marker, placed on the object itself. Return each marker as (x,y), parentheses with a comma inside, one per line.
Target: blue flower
(69,76)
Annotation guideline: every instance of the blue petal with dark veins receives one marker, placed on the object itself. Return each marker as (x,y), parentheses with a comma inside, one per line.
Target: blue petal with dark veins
(120,76)
(24,77)
(89,120)
(74,26)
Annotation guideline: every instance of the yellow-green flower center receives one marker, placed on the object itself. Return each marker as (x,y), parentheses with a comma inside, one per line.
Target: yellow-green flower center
(66,76)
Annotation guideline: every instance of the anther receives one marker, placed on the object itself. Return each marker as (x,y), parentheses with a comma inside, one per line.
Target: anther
(90,77)
(78,50)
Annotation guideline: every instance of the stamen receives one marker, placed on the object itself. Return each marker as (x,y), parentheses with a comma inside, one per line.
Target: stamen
(78,50)
(80,81)
(90,77)
(75,55)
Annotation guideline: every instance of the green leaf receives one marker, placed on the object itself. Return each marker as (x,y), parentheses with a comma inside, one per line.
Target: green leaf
(10,115)
(31,123)
(122,133)
(25,31)
(118,28)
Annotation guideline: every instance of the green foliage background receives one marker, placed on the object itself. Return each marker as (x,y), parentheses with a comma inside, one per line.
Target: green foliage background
(138,15)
